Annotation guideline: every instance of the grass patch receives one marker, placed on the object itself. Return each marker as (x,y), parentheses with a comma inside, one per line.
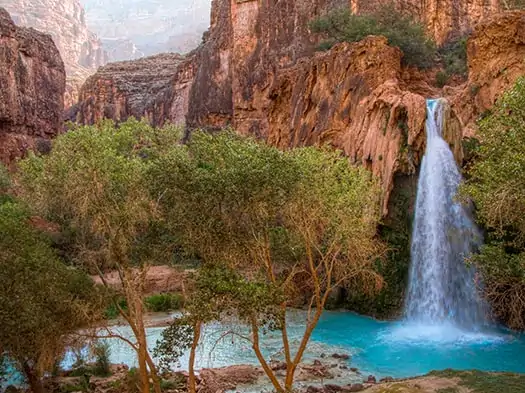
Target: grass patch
(164,302)
(112,310)
(484,382)
(155,303)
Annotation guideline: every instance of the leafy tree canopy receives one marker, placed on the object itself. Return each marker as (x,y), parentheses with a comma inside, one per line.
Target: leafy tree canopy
(42,301)
(497,186)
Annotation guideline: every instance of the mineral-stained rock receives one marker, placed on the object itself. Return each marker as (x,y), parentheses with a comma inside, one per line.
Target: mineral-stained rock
(65,20)
(496,58)
(353,98)
(159,279)
(248,43)
(155,87)
(258,71)
(32,84)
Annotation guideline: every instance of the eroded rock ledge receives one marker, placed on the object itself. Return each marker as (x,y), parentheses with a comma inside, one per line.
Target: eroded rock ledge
(260,74)
(32,85)
(155,87)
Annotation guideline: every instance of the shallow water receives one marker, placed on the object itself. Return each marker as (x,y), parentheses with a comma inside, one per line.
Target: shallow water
(396,349)
(400,349)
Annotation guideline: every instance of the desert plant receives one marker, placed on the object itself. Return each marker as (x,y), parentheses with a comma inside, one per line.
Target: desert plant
(102,353)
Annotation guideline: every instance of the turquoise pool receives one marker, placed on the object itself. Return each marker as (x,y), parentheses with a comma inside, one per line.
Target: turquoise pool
(381,348)
(394,349)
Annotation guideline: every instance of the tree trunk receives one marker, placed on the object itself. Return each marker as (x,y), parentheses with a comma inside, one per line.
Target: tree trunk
(256,348)
(192,385)
(143,370)
(290,372)
(33,379)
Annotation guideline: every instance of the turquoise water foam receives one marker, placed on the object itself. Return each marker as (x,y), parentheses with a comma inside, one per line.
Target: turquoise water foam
(396,349)
(401,349)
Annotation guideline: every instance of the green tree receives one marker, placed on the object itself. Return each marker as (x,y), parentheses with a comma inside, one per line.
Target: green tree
(269,226)
(496,184)
(93,186)
(42,301)
(401,30)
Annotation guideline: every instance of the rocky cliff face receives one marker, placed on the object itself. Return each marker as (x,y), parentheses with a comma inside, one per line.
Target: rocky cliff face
(65,21)
(155,87)
(258,72)
(32,84)
(496,55)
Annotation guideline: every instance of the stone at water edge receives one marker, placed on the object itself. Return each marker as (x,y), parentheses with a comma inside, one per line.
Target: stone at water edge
(356,387)
(371,379)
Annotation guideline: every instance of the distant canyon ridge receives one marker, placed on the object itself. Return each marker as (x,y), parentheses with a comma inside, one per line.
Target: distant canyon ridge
(91,33)
(258,70)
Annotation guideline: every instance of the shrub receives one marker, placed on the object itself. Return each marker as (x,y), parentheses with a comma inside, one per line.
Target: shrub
(164,302)
(441,78)
(454,57)
(112,311)
(132,381)
(102,352)
(400,29)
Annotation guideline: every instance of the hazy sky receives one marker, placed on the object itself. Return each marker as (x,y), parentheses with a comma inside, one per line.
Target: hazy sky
(149,24)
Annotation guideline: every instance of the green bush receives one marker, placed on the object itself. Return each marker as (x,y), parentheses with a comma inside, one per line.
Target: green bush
(496,184)
(164,302)
(395,232)
(132,381)
(441,78)
(400,29)
(454,57)
(102,352)
(112,312)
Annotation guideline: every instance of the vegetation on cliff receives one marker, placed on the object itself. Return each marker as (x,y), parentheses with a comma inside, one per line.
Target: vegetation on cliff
(399,28)
(496,184)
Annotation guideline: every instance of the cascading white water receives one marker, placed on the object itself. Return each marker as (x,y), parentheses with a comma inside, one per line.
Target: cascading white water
(442,288)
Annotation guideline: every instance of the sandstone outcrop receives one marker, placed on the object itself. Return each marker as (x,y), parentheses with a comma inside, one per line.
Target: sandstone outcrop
(248,43)
(159,279)
(81,50)
(257,71)
(155,87)
(496,58)
(32,84)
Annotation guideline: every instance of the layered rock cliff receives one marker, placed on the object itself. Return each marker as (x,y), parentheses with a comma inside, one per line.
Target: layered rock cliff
(32,84)
(65,20)
(257,71)
(496,54)
(155,87)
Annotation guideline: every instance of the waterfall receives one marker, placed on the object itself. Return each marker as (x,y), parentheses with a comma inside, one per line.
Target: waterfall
(442,287)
